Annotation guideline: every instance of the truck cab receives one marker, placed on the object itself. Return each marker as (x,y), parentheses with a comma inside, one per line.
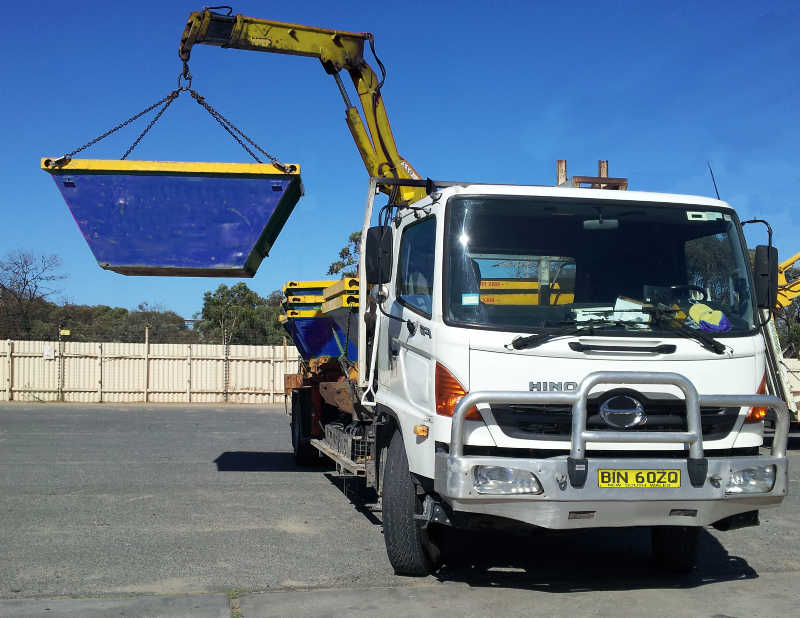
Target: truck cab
(570,358)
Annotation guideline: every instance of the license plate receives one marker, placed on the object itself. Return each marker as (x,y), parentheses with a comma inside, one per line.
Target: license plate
(639,478)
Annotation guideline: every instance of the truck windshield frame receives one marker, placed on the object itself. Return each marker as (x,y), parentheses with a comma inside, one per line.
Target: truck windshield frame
(531,264)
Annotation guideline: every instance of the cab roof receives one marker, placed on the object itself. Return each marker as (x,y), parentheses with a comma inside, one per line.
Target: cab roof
(562,192)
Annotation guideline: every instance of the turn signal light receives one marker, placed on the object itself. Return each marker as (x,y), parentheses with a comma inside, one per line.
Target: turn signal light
(756,415)
(448,393)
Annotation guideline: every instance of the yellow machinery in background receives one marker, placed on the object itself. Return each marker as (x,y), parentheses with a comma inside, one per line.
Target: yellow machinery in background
(788,288)
(788,292)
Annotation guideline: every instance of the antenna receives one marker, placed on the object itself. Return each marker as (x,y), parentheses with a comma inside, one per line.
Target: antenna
(712,178)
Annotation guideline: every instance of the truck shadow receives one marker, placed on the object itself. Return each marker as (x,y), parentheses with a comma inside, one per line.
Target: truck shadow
(363,499)
(551,561)
(256,461)
(562,561)
(583,560)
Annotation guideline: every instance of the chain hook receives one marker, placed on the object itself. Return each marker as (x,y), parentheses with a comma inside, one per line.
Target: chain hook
(185,77)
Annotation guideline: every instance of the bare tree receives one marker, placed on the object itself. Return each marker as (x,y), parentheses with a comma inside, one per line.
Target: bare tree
(26,281)
(275,298)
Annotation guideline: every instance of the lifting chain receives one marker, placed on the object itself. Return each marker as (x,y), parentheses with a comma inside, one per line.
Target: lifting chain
(66,158)
(239,135)
(184,85)
(169,99)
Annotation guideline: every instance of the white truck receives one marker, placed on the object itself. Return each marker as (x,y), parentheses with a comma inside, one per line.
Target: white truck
(562,358)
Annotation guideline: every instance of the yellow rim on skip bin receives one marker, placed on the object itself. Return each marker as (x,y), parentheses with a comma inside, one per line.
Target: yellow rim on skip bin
(101,166)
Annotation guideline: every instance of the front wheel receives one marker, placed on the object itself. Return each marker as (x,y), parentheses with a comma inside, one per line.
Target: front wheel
(675,547)
(410,550)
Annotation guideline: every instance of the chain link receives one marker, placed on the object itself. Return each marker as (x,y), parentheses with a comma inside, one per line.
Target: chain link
(184,85)
(185,77)
(239,135)
(169,99)
(66,158)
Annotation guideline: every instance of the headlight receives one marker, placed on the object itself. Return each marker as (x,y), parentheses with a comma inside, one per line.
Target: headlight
(755,480)
(502,480)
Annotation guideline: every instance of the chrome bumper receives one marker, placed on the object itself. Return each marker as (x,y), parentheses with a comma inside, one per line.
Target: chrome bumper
(571,495)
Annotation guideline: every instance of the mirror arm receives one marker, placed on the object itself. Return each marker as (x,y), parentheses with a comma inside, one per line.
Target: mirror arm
(769,228)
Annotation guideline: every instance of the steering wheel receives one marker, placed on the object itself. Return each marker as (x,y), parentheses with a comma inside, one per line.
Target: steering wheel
(689,288)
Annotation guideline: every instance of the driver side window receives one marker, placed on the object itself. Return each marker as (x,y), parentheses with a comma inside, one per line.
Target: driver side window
(416,265)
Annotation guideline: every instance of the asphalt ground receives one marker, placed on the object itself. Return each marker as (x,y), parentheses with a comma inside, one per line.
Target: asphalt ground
(199,511)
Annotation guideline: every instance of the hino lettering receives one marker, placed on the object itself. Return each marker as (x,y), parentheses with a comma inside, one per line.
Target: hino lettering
(553,387)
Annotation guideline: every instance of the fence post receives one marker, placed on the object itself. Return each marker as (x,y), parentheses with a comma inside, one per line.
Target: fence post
(61,368)
(99,373)
(146,362)
(10,370)
(189,373)
(273,353)
(225,372)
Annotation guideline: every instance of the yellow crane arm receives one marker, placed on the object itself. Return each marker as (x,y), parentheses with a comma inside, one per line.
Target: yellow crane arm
(337,50)
(788,290)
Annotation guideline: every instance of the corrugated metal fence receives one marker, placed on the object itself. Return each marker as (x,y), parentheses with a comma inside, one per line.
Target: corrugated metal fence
(131,372)
(159,372)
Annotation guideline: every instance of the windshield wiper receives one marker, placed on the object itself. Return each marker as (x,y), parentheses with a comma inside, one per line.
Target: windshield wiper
(573,327)
(664,315)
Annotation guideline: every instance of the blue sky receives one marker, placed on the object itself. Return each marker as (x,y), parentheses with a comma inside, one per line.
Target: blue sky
(475,91)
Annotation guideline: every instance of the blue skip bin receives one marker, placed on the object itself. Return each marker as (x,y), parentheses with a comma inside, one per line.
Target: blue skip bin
(179,219)
(321,336)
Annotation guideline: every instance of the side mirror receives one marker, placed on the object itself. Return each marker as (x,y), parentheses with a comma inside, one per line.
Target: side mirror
(765,273)
(378,258)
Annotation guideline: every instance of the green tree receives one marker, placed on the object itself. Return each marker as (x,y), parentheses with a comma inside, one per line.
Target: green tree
(104,323)
(347,264)
(238,315)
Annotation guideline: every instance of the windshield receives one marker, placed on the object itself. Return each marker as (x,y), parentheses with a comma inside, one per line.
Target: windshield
(527,264)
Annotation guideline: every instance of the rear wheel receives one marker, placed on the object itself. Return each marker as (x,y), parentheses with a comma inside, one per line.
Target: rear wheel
(675,547)
(304,453)
(410,550)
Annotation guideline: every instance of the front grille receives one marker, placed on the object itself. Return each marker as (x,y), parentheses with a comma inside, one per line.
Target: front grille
(554,422)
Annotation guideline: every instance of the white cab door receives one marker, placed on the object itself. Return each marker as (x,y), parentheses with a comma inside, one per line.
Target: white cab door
(410,337)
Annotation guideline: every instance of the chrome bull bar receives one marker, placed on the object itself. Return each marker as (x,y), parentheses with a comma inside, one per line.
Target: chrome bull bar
(697,465)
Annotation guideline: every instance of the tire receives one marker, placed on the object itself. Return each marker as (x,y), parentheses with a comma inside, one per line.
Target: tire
(675,547)
(304,453)
(410,550)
